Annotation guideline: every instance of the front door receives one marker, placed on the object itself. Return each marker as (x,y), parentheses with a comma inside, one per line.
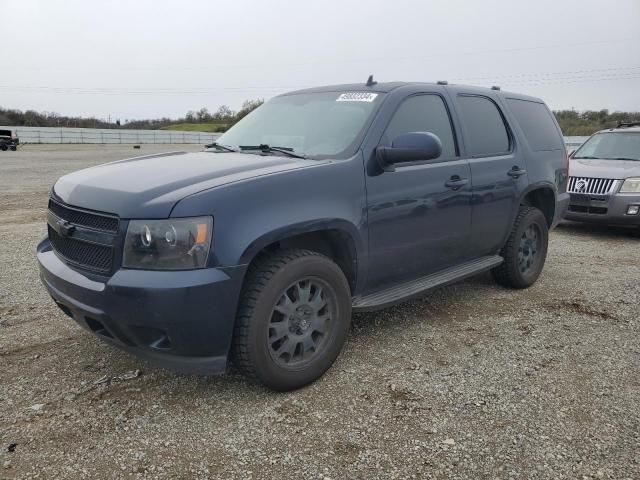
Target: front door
(420,214)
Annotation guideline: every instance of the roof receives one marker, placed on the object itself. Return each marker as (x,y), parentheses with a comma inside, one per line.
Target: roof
(354,87)
(634,128)
(386,87)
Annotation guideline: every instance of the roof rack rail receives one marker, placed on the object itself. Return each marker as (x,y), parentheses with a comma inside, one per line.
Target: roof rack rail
(628,124)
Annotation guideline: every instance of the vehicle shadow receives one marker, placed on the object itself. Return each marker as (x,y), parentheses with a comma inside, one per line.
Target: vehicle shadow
(603,231)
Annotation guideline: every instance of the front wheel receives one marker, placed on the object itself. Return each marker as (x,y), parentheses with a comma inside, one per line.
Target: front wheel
(293,318)
(525,251)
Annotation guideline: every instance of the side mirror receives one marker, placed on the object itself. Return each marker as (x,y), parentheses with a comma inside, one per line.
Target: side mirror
(409,147)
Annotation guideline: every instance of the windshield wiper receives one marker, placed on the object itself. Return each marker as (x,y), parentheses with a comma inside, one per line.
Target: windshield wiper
(220,147)
(263,147)
(589,157)
(624,158)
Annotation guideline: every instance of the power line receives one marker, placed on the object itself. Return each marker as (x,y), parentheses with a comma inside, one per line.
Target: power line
(542,78)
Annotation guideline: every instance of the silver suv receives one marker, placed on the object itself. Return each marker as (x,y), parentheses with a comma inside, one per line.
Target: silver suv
(604,177)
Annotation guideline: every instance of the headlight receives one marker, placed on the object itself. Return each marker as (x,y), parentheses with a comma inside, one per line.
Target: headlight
(631,185)
(172,244)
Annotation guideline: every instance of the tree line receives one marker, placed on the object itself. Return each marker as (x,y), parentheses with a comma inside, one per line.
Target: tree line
(224,117)
(590,121)
(571,122)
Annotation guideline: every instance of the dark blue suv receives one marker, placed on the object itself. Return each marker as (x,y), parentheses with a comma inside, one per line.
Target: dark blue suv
(318,203)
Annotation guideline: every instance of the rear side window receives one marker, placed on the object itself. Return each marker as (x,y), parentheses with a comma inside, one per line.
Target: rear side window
(486,131)
(424,113)
(537,124)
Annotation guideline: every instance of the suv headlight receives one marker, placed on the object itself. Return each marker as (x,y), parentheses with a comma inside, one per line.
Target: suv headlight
(631,185)
(171,244)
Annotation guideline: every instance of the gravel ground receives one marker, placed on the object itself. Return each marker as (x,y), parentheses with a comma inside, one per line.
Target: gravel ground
(473,381)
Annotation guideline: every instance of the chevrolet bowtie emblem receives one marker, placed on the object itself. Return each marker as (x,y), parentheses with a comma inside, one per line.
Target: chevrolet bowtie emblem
(66,228)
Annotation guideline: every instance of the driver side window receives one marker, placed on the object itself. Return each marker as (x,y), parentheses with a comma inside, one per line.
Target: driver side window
(424,113)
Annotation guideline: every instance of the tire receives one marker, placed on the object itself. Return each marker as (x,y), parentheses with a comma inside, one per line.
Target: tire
(293,318)
(525,251)
(13,148)
(3,147)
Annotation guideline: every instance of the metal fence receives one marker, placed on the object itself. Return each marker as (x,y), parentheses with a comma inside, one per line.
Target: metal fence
(574,142)
(97,135)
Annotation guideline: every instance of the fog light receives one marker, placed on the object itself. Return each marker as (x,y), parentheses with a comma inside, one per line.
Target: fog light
(633,209)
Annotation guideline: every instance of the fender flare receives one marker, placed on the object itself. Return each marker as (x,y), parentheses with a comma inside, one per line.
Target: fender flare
(313,226)
(530,188)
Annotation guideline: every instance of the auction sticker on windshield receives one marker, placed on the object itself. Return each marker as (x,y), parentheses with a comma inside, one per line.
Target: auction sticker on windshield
(357,97)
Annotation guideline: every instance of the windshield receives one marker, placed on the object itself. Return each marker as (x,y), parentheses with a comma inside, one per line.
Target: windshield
(312,124)
(611,146)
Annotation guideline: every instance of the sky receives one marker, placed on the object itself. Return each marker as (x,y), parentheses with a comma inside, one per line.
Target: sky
(156,58)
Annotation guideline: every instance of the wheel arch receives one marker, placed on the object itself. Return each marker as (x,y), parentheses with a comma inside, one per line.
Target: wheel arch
(336,239)
(543,197)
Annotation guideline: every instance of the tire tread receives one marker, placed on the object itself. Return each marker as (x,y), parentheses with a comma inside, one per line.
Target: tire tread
(505,274)
(258,276)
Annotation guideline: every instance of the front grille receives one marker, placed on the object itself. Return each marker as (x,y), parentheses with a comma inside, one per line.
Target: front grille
(591,186)
(83,254)
(78,252)
(106,223)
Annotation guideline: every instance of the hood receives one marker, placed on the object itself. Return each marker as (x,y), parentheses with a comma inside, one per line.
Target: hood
(149,186)
(596,168)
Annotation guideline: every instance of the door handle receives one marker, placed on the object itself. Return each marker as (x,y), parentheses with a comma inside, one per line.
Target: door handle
(455,182)
(516,172)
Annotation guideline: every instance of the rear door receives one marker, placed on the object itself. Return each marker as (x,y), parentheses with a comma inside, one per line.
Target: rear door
(497,170)
(420,214)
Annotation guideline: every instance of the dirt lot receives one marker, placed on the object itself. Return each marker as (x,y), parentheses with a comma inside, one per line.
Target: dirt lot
(474,381)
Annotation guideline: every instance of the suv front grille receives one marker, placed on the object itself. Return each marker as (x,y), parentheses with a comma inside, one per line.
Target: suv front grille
(105,223)
(591,186)
(78,252)
(83,254)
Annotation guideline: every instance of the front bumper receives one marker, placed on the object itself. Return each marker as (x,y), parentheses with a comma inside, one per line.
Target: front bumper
(180,320)
(611,210)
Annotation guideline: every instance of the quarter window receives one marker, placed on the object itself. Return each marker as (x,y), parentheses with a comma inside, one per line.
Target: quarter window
(486,131)
(424,113)
(537,124)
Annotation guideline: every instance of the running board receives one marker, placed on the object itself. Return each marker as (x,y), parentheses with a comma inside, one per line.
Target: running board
(407,290)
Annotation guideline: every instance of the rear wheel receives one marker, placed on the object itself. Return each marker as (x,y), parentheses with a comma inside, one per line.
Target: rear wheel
(525,251)
(293,318)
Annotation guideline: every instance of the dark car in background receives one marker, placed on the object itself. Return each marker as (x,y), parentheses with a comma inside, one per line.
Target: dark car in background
(604,178)
(319,203)
(8,140)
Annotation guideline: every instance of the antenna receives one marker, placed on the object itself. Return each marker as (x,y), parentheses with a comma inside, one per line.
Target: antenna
(495,87)
(442,82)
(370,81)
